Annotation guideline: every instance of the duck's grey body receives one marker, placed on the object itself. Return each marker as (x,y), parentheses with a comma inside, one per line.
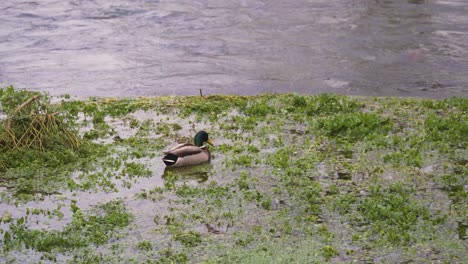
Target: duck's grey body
(186,155)
(189,154)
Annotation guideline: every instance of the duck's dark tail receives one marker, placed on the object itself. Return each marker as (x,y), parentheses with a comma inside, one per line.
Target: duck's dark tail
(170,159)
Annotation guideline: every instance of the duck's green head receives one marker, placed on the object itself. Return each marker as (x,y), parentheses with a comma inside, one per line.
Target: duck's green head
(201,138)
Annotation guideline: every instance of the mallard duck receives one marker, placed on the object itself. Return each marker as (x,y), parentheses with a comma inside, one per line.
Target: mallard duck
(189,154)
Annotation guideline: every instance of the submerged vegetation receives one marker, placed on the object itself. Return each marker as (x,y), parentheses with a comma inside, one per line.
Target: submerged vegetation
(293,179)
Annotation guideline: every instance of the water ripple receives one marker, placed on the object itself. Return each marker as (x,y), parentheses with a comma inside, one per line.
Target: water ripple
(122,48)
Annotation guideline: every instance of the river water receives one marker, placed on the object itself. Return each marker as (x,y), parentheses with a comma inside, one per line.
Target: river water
(176,47)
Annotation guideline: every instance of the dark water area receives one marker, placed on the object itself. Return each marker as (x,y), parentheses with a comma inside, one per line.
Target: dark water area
(150,47)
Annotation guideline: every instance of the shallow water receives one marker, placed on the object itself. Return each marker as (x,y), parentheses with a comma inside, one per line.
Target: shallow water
(150,47)
(261,195)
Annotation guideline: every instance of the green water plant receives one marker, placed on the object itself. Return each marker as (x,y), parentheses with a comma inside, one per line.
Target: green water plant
(84,230)
(354,126)
(393,216)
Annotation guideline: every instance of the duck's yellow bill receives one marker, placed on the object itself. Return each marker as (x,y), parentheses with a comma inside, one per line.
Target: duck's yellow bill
(210,142)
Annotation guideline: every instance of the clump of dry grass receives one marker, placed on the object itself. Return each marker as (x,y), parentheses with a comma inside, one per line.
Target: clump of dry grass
(32,126)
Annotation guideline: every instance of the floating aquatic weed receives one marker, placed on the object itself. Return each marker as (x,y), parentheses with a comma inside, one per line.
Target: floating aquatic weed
(355,126)
(462,227)
(393,215)
(144,245)
(85,229)
(260,109)
(452,129)
(326,104)
(329,252)
(190,238)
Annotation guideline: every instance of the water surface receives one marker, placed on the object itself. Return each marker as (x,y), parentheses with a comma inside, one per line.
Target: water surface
(176,47)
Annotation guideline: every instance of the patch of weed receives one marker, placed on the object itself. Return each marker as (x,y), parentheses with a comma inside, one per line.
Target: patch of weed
(452,129)
(144,245)
(84,230)
(188,239)
(133,169)
(354,127)
(209,106)
(393,215)
(325,104)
